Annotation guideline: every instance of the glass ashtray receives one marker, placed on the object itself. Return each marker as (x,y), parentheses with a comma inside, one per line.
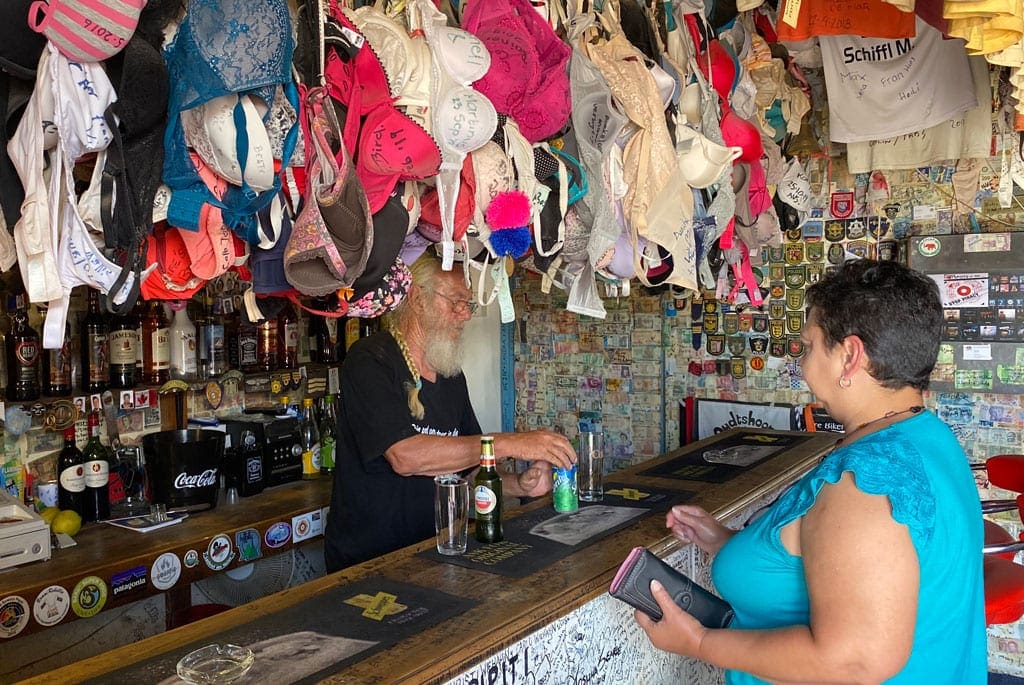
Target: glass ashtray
(215,664)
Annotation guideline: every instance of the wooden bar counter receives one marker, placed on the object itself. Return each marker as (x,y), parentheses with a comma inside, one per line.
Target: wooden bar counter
(103,551)
(557,621)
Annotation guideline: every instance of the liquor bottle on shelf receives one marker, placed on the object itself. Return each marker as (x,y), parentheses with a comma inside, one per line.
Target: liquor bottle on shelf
(57,369)
(123,341)
(95,354)
(138,316)
(182,339)
(350,324)
(156,349)
(231,328)
(323,335)
(310,437)
(213,338)
(71,474)
(247,344)
(487,495)
(97,474)
(22,353)
(287,337)
(328,436)
(266,344)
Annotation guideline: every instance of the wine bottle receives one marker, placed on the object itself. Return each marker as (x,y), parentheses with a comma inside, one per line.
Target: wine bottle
(71,474)
(97,474)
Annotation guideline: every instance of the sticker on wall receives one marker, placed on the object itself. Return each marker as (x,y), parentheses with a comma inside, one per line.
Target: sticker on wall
(51,606)
(191,558)
(14,615)
(929,247)
(89,596)
(127,581)
(166,571)
(248,543)
(278,535)
(218,553)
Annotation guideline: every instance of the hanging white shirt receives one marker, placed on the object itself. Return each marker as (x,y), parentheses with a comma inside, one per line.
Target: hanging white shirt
(879,88)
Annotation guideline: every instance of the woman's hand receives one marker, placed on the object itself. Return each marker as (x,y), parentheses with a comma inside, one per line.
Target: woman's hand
(677,631)
(692,524)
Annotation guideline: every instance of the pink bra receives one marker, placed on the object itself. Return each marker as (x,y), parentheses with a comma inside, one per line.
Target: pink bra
(388,146)
(528,79)
(737,132)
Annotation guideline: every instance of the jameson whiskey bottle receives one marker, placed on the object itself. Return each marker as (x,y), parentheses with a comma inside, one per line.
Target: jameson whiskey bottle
(22,353)
(122,341)
(95,355)
(487,495)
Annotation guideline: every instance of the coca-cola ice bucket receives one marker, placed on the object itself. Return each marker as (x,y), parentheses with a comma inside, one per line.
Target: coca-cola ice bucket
(183,467)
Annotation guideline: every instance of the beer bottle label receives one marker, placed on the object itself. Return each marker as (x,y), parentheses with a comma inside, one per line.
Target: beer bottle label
(122,347)
(484,499)
(291,336)
(96,473)
(327,453)
(72,478)
(332,330)
(27,351)
(98,370)
(60,368)
(311,460)
(161,349)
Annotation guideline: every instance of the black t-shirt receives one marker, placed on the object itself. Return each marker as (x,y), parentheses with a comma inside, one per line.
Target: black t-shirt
(373,509)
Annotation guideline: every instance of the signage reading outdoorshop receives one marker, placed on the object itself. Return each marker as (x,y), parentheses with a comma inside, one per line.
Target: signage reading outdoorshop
(711,417)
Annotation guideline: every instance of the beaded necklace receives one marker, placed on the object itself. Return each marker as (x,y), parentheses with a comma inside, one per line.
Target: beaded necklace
(412,389)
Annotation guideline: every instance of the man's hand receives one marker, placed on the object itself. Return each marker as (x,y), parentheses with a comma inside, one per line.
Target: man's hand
(536,445)
(533,482)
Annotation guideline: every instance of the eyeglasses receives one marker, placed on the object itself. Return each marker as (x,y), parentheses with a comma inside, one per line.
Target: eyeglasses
(459,306)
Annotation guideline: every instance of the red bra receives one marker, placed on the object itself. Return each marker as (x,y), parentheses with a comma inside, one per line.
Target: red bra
(387,146)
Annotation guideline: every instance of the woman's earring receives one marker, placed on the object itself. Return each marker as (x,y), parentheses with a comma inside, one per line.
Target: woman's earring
(845,382)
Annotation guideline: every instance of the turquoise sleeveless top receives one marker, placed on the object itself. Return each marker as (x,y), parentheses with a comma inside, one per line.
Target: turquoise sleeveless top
(919,465)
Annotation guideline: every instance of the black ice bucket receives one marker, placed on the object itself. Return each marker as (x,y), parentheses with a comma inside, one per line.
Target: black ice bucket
(183,467)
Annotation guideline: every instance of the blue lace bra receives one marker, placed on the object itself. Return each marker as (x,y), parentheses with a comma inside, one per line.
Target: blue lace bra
(224,47)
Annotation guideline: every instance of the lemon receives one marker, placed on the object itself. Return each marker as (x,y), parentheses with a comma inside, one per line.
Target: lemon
(49,513)
(67,521)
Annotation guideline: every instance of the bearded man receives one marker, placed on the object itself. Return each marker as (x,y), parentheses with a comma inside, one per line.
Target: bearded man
(405,417)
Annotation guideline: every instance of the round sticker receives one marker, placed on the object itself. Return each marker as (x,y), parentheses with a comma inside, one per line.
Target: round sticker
(166,571)
(13,615)
(929,247)
(218,553)
(51,606)
(278,534)
(191,558)
(757,363)
(89,596)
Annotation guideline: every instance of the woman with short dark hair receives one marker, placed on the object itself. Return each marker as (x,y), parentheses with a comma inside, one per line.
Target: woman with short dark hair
(869,568)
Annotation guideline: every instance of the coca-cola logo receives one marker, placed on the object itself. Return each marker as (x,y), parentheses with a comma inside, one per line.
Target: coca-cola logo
(196,480)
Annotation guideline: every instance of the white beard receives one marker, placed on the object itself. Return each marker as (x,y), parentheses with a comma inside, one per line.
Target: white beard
(444,352)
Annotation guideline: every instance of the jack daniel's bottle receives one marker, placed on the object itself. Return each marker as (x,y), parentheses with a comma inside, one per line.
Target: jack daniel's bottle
(23,352)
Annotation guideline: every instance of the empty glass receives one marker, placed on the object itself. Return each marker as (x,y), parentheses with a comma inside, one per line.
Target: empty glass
(451,513)
(590,474)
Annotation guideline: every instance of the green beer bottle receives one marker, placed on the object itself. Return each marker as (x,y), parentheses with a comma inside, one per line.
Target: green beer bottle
(487,495)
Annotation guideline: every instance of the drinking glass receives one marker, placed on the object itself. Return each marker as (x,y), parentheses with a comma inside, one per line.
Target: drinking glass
(451,514)
(590,463)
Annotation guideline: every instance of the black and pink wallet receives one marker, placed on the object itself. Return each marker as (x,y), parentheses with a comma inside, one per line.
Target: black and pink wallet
(632,584)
